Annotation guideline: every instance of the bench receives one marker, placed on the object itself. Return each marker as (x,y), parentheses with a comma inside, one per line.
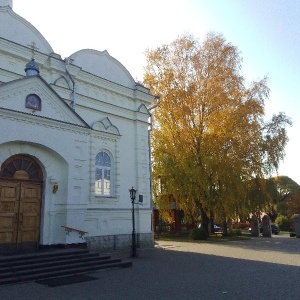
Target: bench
(70,229)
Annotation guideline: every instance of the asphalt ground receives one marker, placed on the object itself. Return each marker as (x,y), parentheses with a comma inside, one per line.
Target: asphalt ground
(258,268)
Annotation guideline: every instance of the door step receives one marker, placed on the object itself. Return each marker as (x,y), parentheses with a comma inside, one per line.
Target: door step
(38,266)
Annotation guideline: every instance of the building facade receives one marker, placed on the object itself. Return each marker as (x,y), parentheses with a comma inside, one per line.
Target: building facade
(74,138)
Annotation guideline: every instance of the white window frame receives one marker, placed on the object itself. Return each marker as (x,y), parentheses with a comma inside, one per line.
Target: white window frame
(106,170)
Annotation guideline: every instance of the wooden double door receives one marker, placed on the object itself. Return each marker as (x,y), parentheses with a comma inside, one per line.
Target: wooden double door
(20,210)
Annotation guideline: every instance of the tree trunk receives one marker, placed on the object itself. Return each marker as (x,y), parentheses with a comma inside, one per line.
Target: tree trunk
(212,221)
(204,219)
(224,225)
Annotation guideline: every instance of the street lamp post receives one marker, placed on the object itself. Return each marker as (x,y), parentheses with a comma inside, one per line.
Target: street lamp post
(132,192)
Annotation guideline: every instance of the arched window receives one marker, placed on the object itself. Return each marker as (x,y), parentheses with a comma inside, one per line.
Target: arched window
(21,166)
(103,174)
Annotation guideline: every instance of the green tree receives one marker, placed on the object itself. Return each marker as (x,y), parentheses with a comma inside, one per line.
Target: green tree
(209,136)
(283,222)
(286,196)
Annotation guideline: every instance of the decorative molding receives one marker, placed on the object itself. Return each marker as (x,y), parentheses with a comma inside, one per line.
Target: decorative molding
(143,109)
(62,82)
(106,126)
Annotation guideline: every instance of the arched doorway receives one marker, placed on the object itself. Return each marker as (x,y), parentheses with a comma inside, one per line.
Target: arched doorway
(21,180)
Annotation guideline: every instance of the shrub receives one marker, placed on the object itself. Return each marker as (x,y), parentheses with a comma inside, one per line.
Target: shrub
(238,232)
(283,222)
(230,232)
(199,234)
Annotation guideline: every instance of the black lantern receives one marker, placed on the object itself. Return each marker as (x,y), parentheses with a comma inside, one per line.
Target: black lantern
(132,192)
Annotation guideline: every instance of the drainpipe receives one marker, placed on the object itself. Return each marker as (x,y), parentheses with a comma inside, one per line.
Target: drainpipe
(149,145)
(67,62)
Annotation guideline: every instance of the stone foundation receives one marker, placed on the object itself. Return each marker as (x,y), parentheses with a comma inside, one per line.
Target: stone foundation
(108,243)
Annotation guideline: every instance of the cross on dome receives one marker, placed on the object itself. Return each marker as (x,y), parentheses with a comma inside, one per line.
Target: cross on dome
(33,49)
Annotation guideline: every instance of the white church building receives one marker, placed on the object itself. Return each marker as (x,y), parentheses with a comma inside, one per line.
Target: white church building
(74,138)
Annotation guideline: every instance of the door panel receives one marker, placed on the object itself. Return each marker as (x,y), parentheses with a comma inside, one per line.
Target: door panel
(29,220)
(9,208)
(20,205)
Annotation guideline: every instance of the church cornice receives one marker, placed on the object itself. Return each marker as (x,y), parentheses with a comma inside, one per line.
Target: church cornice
(27,117)
(53,62)
(112,87)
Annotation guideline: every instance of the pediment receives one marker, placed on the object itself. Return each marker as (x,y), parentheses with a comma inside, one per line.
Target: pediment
(13,97)
(105,125)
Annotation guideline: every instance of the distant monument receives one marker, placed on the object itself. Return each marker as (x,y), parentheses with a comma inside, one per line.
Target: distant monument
(266,226)
(296,219)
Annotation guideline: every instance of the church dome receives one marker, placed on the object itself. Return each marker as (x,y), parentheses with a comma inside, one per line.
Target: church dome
(16,29)
(32,68)
(103,65)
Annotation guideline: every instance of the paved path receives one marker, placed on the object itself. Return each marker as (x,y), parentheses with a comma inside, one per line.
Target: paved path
(260,268)
(279,249)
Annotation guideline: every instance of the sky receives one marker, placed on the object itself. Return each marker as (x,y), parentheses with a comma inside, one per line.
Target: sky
(266,32)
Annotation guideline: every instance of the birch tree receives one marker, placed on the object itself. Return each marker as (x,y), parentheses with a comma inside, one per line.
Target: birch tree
(209,136)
